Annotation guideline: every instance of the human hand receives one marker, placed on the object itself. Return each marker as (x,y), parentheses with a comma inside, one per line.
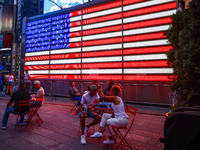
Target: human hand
(90,107)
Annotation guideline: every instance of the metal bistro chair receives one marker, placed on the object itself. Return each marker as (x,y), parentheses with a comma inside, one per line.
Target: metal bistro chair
(131,111)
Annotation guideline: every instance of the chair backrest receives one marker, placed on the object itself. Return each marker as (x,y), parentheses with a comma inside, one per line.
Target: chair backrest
(131,112)
(25,103)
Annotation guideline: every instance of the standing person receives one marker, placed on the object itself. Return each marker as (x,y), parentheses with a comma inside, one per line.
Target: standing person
(27,81)
(1,82)
(40,92)
(10,80)
(107,90)
(21,95)
(118,119)
(88,101)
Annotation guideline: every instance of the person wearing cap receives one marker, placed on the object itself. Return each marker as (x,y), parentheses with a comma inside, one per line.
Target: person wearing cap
(89,101)
(20,95)
(40,91)
(107,90)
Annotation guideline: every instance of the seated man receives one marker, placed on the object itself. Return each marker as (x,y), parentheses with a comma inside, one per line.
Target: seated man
(74,93)
(88,100)
(40,92)
(107,90)
(21,95)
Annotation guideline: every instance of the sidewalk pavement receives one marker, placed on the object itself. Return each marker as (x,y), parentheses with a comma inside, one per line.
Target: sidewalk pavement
(60,130)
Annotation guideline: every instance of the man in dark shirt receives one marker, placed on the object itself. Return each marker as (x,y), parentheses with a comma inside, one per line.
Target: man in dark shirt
(21,95)
(107,90)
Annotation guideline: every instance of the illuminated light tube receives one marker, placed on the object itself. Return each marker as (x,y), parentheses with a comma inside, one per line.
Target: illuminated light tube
(149,71)
(75,39)
(102,47)
(138,64)
(68,66)
(65,61)
(102,53)
(103,30)
(65,56)
(77,44)
(146,43)
(145,57)
(62,51)
(102,65)
(101,36)
(65,77)
(102,24)
(102,7)
(37,53)
(38,72)
(127,2)
(74,34)
(141,24)
(145,4)
(102,71)
(36,58)
(146,30)
(77,18)
(75,13)
(102,18)
(103,41)
(146,50)
(37,67)
(73,29)
(73,24)
(102,77)
(65,71)
(102,13)
(147,77)
(102,59)
(5,49)
(149,16)
(45,62)
(39,76)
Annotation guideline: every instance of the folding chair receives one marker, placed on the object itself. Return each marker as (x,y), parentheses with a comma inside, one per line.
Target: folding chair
(75,102)
(131,111)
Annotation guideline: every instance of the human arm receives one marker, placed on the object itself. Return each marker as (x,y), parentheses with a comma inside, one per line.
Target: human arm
(109,98)
(11,100)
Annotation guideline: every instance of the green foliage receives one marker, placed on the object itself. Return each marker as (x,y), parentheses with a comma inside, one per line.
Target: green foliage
(184,58)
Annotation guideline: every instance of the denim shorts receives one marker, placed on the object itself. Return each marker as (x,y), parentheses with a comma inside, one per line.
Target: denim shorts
(89,114)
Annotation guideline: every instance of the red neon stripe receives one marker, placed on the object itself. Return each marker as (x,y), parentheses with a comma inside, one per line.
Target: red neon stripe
(65,56)
(154,22)
(127,2)
(160,49)
(37,67)
(104,41)
(102,65)
(73,24)
(150,9)
(70,66)
(102,7)
(77,44)
(64,76)
(137,64)
(75,34)
(102,77)
(39,76)
(147,77)
(151,36)
(33,58)
(102,53)
(103,30)
(75,13)
(103,18)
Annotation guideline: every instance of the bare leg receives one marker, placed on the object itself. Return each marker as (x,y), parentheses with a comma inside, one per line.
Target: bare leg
(94,122)
(7,87)
(11,89)
(82,122)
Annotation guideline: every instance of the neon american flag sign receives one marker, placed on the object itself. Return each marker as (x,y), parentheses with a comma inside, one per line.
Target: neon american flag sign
(119,40)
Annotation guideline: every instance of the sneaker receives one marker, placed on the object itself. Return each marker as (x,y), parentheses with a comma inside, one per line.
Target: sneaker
(108,141)
(83,140)
(3,128)
(96,135)
(86,130)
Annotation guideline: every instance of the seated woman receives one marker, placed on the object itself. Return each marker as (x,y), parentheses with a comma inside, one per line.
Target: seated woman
(118,119)
(74,93)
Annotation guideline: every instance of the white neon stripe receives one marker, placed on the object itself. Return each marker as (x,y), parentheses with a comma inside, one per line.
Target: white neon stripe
(65,61)
(5,49)
(38,71)
(102,47)
(102,13)
(145,4)
(146,30)
(102,24)
(64,51)
(75,18)
(37,53)
(149,16)
(75,39)
(73,29)
(146,43)
(145,57)
(102,59)
(149,71)
(101,36)
(65,71)
(102,71)
(44,62)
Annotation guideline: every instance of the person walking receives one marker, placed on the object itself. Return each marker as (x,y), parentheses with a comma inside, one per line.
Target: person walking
(9,80)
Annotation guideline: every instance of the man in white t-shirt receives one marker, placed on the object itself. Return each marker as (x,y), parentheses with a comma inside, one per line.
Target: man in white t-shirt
(40,91)
(88,102)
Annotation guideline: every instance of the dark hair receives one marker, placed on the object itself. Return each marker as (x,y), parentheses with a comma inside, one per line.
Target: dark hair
(71,82)
(22,85)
